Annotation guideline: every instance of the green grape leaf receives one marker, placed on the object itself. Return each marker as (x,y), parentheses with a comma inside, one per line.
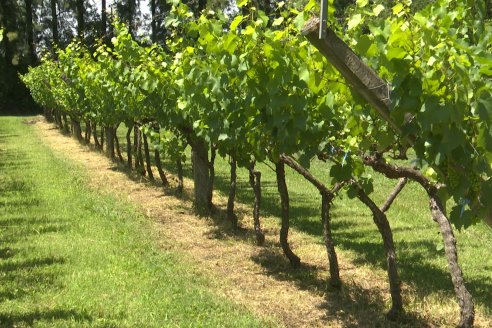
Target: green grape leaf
(340,173)
(378,9)
(354,21)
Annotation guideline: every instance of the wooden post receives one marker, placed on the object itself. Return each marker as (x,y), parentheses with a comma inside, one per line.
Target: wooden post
(371,87)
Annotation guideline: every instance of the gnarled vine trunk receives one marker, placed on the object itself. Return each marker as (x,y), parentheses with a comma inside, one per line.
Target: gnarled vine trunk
(117,145)
(147,157)
(88,132)
(94,135)
(231,216)
(326,198)
(110,151)
(255,183)
(158,163)
(201,177)
(465,301)
(384,228)
(330,246)
(179,167)
(137,146)
(211,168)
(295,261)
(129,147)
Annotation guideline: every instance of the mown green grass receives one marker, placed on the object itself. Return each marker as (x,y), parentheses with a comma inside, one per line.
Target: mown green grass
(72,257)
(421,258)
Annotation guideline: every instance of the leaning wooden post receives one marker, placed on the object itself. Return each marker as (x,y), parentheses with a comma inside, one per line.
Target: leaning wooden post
(370,86)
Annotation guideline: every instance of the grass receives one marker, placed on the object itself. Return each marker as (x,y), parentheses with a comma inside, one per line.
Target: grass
(421,258)
(72,257)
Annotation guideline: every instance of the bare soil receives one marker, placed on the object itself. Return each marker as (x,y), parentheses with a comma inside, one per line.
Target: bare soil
(257,278)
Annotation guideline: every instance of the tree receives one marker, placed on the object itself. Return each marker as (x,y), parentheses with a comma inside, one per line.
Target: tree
(54,23)
(80,10)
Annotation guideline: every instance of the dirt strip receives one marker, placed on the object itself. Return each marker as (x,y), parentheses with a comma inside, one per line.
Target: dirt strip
(257,278)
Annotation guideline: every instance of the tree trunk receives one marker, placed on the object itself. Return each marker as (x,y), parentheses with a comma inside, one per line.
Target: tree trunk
(88,132)
(158,163)
(179,166)
(66,127)
(30,33)
(137,146)
(210,193)
(384,228)
(76,129)
(102,137)
(103,19)
(467,311)
(147,157)
(201,176)
(153,23)
(94,134)
(295,261)
(129,146)
(80,19)
(330,246)
(231,216)
(117,145)
(58,120)
(48,114)
(110,142)
(8,23)
(255,183)
(54,23)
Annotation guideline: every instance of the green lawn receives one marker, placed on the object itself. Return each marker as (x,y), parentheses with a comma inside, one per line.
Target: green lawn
(71,257)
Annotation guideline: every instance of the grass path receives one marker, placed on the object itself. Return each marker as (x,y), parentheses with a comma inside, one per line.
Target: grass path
(73,257)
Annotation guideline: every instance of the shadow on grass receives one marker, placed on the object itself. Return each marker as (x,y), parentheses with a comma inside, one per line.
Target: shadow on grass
(21,228)
(25,277)
(29,318)
(353,305)
(29,264)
